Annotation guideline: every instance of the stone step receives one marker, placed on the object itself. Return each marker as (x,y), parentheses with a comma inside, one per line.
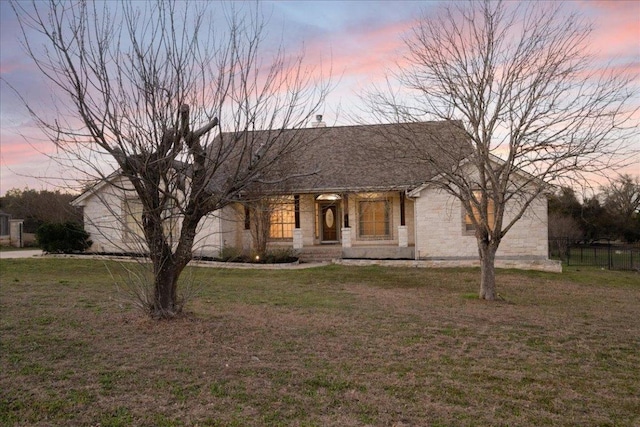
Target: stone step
(320,253)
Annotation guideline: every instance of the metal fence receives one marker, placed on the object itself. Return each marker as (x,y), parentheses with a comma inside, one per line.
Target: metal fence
(605,255)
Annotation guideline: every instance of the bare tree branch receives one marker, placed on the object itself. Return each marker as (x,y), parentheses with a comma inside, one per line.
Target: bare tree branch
(519,81)
(171,98)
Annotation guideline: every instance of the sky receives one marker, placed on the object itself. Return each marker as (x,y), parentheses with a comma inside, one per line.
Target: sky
(360,39)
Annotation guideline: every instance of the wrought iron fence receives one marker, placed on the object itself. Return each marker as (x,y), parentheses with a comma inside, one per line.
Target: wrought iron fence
(606,255)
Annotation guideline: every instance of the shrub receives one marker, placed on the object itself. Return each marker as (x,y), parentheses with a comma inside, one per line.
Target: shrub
(68,237)
(231,254)
(280,255)
(273,256)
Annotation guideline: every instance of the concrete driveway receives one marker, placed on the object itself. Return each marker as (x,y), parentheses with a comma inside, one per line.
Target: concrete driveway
(20,254)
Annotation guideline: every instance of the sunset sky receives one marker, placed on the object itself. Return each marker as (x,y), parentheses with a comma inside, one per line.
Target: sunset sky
(359,39)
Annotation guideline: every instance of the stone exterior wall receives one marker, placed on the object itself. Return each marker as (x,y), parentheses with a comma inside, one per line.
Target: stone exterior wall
(207,242)
(104,215)
(102,219)
(440,230)
(308,219)
(434,224)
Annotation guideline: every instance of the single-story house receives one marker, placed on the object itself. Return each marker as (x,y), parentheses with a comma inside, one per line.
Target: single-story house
(350,200)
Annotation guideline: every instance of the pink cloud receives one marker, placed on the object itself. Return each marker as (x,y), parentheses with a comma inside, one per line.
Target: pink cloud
(358,54)
(616,26)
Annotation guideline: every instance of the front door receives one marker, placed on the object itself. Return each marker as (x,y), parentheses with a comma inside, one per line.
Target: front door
(329,218)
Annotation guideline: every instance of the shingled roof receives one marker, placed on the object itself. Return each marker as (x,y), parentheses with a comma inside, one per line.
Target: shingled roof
(369,157)
(340,159)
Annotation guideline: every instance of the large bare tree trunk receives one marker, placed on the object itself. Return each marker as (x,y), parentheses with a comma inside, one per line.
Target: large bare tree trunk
(193,118)
(165,304)
(487,270)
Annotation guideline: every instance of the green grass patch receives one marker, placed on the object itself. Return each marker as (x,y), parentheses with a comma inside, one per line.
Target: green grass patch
(330,346)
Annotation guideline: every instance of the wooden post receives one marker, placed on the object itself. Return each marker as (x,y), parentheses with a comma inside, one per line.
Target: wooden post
(296,204)
(402,209)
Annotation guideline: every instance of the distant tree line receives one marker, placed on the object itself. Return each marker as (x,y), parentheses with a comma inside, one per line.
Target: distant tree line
(612,214)
(38,207)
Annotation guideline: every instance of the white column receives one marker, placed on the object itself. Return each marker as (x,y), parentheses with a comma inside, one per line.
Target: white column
(403,236)
(297,238)
(346,237)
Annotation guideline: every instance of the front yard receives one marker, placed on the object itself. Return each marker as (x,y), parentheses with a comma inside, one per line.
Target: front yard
(330,346)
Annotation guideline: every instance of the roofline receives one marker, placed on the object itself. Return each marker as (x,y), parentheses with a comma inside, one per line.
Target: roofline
(370,189)
(492,158)
(363,125)
(78,201)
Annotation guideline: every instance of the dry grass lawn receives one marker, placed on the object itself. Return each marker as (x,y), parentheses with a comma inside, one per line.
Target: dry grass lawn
(330,346)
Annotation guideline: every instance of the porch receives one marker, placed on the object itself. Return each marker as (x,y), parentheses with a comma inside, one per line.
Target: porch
(328,253)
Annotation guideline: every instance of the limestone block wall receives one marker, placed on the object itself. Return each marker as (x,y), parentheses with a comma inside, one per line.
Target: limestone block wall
(219,229)
(308,219)
(103,219)
(207,242)
(440,231)
(104,216)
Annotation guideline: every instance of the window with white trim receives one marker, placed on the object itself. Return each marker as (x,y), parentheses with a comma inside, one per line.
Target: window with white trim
(282,219)
(374,218)
(468,222)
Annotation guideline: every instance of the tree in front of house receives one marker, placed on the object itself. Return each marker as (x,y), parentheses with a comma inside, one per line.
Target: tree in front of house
(517,78)
(168,93)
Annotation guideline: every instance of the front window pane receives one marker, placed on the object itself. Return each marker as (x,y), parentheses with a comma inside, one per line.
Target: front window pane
(469,226)
(374,218)
(282,221)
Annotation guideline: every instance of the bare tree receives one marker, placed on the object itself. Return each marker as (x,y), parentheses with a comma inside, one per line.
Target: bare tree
(518,80)
(564,231)
(622,196)
(622,203)
(168,95)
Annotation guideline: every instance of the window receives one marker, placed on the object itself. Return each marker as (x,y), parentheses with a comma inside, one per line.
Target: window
(282,220)
(132,219)
(132,214)
(374,219)
(468,223)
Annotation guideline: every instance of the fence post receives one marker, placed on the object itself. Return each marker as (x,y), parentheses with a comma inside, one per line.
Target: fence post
(609,254)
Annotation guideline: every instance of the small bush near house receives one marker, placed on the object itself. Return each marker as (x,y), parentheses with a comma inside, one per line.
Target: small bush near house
(231,254)
(284,255)
(68,237)
(272,256)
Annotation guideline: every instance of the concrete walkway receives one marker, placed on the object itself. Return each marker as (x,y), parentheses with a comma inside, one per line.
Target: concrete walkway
(20,254)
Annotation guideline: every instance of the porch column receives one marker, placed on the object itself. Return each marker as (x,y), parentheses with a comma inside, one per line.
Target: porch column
(297,231)
(296,207)
(402,209)
(403,236)
(345,210)
(403,233)
(346,237)
(247,238)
